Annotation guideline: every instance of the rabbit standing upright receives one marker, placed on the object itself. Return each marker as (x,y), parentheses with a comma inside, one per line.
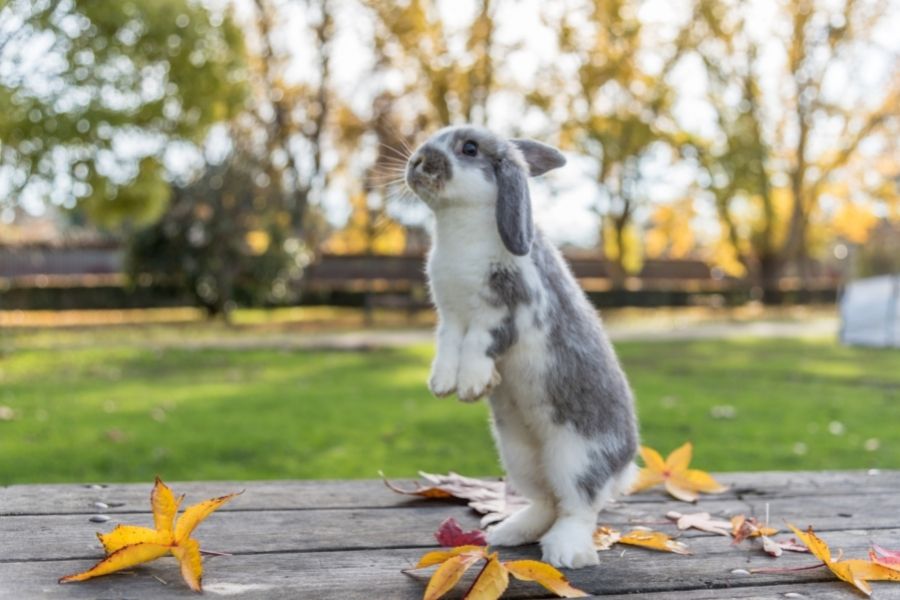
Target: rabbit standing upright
(515,326)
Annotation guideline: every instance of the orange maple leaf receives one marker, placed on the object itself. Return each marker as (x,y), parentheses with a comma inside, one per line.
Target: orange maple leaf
(493,579)
(605,537)
(856,572)
(129,545)
(681,482)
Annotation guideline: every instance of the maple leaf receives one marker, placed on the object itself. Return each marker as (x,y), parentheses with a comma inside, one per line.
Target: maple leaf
(491,582)
(682,483)
(605,537)
(130,545)
(545,575)
(884,557)
(493,579)
(743,528)
(702,521)
(856,572)
(493,499)
(450,534)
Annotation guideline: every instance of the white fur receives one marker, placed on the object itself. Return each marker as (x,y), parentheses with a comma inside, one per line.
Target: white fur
(543,460)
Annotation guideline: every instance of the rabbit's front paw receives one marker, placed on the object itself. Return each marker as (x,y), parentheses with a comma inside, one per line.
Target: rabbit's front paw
(569,543)
(443,380)
(477,377)
(524,527)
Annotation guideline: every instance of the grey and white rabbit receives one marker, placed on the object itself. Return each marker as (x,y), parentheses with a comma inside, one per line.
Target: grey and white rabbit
(515,326)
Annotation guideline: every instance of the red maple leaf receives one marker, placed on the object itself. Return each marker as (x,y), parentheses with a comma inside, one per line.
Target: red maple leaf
(450,534)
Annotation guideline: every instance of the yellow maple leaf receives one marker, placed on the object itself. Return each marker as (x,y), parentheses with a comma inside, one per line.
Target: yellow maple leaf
(130,545)
(449,574)
(856,572)
(654,540)
(681,482)
(493,579)
(605,537)
(491,582)
(545,575)
(742,528)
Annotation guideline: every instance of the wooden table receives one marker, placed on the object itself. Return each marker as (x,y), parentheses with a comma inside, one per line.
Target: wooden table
(350,539)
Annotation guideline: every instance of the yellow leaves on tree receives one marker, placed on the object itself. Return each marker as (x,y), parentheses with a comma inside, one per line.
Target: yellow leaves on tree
(493,579)
(856,572)
(854,221)
(681,482)
(625,248)
(671,233)
(368,231)
(130,545)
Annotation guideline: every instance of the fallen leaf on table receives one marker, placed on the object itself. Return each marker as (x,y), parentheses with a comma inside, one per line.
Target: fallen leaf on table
(770,546)
(545,575)
(654,540)
(702,521)
(437,557)
(792,545)
(744,528)
(884,557)
(605,537)
(493,579)
(491,582)
(856,572)
(451,534)
(682,483)
(493,499)
(450,572)
(129,545)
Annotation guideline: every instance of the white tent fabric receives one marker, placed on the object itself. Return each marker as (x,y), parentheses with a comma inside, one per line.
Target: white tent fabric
(870,312)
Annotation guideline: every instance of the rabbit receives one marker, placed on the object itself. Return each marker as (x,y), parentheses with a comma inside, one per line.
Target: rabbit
(514,326)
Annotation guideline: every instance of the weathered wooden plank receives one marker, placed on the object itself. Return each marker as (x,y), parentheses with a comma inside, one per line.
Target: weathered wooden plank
(61,499)
(831,590)
(70,536)
(376,574)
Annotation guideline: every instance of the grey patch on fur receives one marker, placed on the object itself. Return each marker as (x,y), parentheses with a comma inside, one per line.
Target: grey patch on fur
(503,337)
(508,289)
(584,382)
(598,472)
(436,163)
(540,157)
(514,207)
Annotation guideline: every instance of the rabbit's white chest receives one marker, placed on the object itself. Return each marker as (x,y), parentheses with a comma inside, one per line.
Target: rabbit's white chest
(465,244)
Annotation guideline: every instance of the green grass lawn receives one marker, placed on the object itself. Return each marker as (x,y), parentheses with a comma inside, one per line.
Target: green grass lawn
(116,413)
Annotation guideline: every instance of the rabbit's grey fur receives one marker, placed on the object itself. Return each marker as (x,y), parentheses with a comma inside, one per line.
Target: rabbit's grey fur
(515,326)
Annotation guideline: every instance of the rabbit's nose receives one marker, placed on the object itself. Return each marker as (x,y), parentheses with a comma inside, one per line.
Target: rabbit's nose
(417,162)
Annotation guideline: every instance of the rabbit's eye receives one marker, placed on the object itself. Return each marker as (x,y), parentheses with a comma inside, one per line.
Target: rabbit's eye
(470,148)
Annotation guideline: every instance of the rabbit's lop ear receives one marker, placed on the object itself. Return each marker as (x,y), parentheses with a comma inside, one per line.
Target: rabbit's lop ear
(513,207)
(540,157)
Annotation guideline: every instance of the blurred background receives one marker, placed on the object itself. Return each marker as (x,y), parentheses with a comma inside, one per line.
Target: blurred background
(210,267)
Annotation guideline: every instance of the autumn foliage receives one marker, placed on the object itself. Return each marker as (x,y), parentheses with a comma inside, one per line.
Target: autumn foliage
(129,545)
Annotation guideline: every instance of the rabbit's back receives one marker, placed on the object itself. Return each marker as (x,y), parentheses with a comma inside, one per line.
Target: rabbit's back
(562,360)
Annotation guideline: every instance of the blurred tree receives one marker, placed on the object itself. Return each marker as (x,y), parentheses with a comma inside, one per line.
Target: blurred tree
(93,94)
(290,117)
(441,82)
(369,230)
(223,239)
(431,74)
(671,233)
(778,153)
(615,109)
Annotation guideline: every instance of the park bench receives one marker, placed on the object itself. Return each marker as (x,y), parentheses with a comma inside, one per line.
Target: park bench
(351,539)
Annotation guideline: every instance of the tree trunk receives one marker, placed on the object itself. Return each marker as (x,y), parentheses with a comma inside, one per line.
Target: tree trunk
(768,276)
(616,264)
